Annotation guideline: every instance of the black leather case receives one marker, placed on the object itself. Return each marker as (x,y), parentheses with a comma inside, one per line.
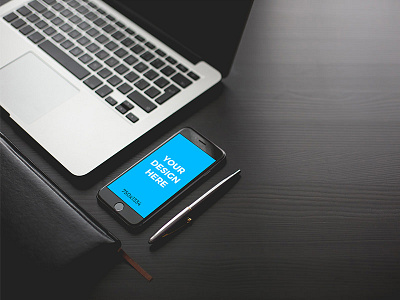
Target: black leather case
(50,246)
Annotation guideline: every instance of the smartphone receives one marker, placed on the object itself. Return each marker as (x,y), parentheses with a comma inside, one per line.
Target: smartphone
(142,191)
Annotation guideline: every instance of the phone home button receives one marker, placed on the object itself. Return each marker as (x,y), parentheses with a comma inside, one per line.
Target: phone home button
(119,206)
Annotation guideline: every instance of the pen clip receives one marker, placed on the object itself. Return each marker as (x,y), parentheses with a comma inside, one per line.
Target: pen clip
(187,221)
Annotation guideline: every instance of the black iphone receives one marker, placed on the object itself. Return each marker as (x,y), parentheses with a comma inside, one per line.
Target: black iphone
(143,190)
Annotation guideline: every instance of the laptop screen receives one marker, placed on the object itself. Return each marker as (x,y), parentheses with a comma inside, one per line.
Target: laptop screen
(210,30)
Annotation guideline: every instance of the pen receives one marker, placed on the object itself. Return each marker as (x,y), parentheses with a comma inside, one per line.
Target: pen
(169,227)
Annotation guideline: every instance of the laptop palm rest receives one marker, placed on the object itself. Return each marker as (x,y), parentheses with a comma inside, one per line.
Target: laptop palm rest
(35,88)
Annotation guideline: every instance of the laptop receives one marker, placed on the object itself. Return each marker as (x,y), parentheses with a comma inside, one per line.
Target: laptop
(87,78)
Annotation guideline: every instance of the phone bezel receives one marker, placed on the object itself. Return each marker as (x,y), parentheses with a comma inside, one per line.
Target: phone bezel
(128,215)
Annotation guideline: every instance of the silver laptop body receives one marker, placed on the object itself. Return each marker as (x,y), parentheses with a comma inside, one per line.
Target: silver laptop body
(84,115)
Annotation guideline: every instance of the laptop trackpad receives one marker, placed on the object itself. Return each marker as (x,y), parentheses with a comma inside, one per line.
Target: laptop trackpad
(30,88)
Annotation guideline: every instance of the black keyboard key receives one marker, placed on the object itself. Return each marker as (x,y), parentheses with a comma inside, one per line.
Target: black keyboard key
(37,6)
(160,52)
(151,74)
(111,45)
(131,76)
(73,3)
(140,38)
(83,41)
(137,49)
(67,44)
(41,24)
(130,31)
(118,35)
(66,13)
(24,11)
(127,42)
(100,22)
(193,76)
(62,58)
(171,60)
(93,82)
(121,69)
(10,17)
(168,71)
(121,109)
(121,52)
(130,60)
(120,25)
(58,7)
(124,107)
(26,30)
(104,73)
(161,82)
(75,34)
(101,11)
(111,101)
(18,23)
(157,63)
(147,56)
(84,25)
(142,101)
(92,47)
(49,15)
(182,68)
(111,62)
(128,105)
(132,117)
(169,92)
(110,17)
(141,67)
(33,18)
(49,31)
(75,19)
(85,58)
(104,91)
(181,80)
(57,21)
(109,28)
(58,38)
(102,54)
(49,2)
(82,9)
(76,51)
(115,80)
(152,92)
(142,84)
(124,88)
(91,4)
(91,16)
(66,27)
(36,37)
(150,45)
(102,39)
(93,32)
(95,65)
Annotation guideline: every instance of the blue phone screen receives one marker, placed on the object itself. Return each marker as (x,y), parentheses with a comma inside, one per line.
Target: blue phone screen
(160,175)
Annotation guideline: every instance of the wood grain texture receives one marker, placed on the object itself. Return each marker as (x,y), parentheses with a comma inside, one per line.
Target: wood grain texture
(311,115)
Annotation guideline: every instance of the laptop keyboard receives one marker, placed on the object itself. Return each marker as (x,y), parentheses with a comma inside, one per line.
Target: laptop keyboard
(100,50)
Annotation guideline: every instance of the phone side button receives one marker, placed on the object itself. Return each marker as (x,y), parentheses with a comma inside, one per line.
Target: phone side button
(118,206)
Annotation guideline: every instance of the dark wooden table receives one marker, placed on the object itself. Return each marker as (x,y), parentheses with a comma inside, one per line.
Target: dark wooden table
(311,115)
